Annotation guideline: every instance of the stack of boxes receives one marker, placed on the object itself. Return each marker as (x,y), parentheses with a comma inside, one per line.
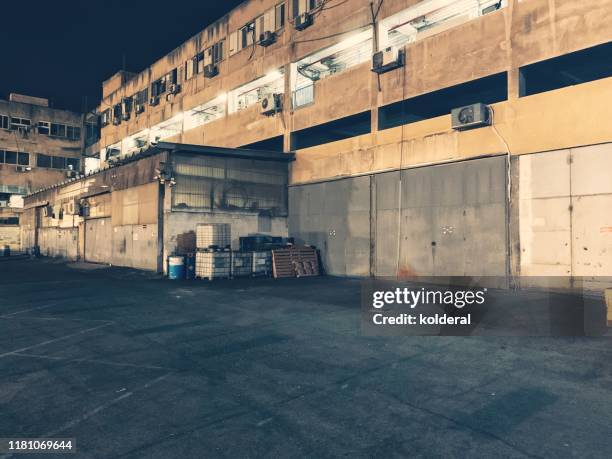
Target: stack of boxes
(213,257)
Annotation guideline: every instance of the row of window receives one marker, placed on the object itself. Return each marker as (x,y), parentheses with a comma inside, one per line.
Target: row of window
(53,162)
(43,127)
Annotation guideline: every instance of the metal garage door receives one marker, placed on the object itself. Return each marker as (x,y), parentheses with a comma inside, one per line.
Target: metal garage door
(335,217)
(98,237)
(454,219)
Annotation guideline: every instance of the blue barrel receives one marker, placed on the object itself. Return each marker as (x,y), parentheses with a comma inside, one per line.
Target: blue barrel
(176,267)
(190,265)
(6,251)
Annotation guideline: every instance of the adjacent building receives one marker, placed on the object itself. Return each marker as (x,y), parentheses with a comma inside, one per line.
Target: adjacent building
(386,180)
(39,146)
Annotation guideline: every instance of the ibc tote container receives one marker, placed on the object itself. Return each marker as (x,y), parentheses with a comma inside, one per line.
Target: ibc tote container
(242,263)
(262,263)
(213,265)
(213,235)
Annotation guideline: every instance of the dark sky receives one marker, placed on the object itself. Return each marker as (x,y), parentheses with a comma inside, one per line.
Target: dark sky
(64,49)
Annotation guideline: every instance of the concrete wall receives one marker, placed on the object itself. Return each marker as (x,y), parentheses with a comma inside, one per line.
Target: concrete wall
(10,235)
(59,242)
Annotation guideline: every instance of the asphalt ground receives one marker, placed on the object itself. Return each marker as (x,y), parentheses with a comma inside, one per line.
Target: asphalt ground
(132,365)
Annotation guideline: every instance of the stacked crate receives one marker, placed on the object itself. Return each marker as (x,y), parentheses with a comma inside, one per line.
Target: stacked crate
(242,264)
(213,257)
(262,264)
(213,264)
(213,236)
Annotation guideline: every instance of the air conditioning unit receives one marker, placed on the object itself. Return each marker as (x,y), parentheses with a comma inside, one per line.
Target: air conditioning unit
(139,108)
(471,116)
(267,38)
(175,88)
(211,70)
(125,116)
(116,121)
(3,203)
(154,101)
(271,104)
(23,168)
(303,21)
(388,59)
(47,211)
(72,174)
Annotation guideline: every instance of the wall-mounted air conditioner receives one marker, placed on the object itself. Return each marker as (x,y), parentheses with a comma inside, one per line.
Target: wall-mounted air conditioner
(47,212)
(271,104)
(175,88)
(388,59)
(116,121)
(211,70)
(3,203)
(154,101)
(139,108)
(303,21)
(125,116)
(471,116)
(23,168)
(267,38)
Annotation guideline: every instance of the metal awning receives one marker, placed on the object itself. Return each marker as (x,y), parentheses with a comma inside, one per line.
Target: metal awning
(262,155)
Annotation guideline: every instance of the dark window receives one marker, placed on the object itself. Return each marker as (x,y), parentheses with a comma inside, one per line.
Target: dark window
(488,90)
(44,127)
(343,128)
(9,221)
(280,15)
(58,130)
(4,122)
(273,144)
(74,162)
(43,160)
(73,132)
(568,70)
(10,157)
(23,159)
(17,123)
(1,156)
(173,76)
(158,87)
(58,162)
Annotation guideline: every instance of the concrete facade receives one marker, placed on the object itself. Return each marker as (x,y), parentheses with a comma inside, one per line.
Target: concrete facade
(38,146)
(336,187)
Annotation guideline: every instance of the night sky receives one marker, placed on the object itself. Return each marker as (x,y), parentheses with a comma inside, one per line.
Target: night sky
(63,49)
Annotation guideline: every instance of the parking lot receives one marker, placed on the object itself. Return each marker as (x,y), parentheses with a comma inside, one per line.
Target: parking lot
(133,365)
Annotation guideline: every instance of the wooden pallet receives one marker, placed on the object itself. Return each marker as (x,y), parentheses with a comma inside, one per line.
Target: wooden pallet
(295,262)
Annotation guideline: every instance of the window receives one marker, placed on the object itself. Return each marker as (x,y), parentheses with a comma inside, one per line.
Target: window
(23,159)
(247,35)
(252,93)
(58,130)
(279,16)
(216,52)
(204,113)
(198,62)
(44,127)
(73,132)
(158,87)
(17,123)
(428,17)
(58,162)
(142,97)
(304,6)
(43,160)
(117,113)
(568,70)
(342,128)
(10,157)
(4,122)
(9,221)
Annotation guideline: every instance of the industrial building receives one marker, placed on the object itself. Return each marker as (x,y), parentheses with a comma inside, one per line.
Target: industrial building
(434,137)
(39,146)
(140,210)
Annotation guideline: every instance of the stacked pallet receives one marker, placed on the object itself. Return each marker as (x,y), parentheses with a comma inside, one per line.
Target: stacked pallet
(295,262)
(213,235)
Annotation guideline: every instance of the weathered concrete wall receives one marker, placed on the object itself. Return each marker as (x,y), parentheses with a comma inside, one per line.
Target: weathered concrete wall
(10,235)
(573,114)
(59,242)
